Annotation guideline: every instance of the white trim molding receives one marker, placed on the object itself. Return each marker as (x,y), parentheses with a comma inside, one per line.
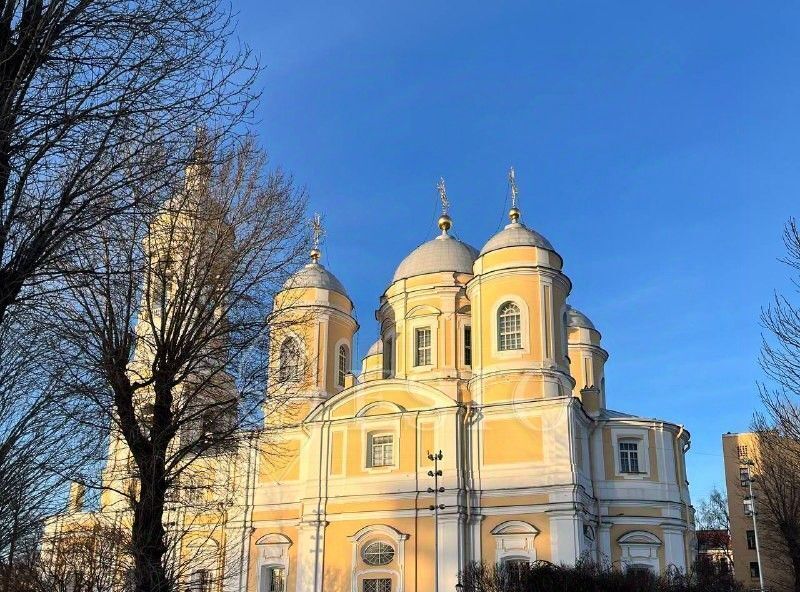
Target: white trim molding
(514,540)
(273,551)
(370,534)
(640,548)
(524,322)
(642,438)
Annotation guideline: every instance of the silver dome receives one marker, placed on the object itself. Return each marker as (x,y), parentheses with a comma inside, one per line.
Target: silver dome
(314,275)
(516,234)
(444,253)
(375,348)
(576,318)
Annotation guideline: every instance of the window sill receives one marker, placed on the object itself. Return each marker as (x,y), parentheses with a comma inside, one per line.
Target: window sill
(381,469)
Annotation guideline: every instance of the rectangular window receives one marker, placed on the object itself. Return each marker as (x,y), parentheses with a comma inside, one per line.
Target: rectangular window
(741,451)
(748,507)
(201,581)
(744,476)
(378,585)
(629,457)
(273,579)
(467,345)
(423,343)
(754,571)
(751,539)
(548,338)
(387,358)
(381,451)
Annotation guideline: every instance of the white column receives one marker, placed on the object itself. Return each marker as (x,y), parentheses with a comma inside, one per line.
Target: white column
(674,547)
(310,547)
(566,537)
(604,543)
(451,550)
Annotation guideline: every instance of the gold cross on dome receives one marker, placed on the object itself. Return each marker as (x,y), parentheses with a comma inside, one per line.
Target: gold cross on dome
(443,195)
(317,231)
(512,183)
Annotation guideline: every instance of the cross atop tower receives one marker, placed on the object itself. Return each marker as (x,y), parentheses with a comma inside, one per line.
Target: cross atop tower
(512,184)
(444,220)
(443,196)
(317,232)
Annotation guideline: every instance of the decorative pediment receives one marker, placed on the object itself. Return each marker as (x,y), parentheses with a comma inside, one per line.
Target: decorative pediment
(515,527)
(514,539)
(638,537)
(380,408)
(423,310)
(388,531)
(273,548)
(274,538)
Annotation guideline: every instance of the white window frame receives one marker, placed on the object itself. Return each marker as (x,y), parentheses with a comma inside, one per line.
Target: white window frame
(341,377)
(524,320)
(298,374)
(642,438)
(374,577)
(263,583)
(379,427)
(509,335)
(382,446)
(417,331)
(378,541)
(273,552)
(394,570)
(628,451)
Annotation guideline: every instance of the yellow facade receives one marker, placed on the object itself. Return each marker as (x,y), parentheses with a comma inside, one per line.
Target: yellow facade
(479,356)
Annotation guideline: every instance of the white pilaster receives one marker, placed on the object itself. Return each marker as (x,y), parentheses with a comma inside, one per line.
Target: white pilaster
(604,543)
(451,550)
(674,548)
(310,548)
(566,536)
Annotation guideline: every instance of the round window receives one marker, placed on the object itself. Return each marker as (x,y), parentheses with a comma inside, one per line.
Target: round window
(378,553)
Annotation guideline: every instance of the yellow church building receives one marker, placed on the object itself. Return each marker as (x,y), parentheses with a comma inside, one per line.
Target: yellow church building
(479,356)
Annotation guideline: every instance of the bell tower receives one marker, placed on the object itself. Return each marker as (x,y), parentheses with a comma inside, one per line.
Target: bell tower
(311,336)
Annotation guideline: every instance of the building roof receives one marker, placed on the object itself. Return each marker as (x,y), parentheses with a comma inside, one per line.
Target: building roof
(444,253)
(314,275)
(576,318)
(516,234)
(375,348)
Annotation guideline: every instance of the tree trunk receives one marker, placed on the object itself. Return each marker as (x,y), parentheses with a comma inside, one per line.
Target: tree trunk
(148,531)
(795,553)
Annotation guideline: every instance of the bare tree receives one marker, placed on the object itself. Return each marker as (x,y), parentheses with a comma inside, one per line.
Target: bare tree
(92,558)
(97,101)
(712,523)
(42,442)
(777,465)
(171,336)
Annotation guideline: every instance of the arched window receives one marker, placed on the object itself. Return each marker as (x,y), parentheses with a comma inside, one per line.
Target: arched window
(344,364)
(289,360)
(377,553)
(509,327)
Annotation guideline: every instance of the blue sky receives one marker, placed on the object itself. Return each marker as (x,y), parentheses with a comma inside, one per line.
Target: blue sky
(656,146)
